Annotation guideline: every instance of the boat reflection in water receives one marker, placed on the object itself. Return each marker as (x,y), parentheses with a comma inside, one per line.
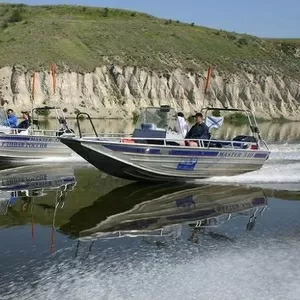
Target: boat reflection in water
(27,183)
(37,194)
(139,210)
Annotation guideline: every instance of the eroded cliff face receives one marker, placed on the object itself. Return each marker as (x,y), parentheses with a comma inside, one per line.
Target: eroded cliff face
(114,92)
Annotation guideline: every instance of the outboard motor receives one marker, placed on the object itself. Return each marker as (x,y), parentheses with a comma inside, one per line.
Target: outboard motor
(246,139)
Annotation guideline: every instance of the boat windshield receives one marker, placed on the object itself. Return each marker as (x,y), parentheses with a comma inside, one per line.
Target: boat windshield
(41,115)
(3,117)
(158,117)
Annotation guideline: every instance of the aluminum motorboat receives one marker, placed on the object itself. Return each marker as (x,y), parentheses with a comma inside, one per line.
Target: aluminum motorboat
(34,142)
(155,152)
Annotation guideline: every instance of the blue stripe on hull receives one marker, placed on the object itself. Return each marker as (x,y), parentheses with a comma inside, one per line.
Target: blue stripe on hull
(15,137)
(178,152)
(193,153)
(260,155)
(130,149)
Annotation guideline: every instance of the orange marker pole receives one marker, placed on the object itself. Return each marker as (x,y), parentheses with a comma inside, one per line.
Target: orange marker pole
(207,78)
(32,223)
(32,229)
(52,241)
(53,75)
(33,85)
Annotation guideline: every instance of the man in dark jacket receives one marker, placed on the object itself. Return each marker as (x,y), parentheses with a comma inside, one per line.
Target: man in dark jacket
(198,131)
(26,122)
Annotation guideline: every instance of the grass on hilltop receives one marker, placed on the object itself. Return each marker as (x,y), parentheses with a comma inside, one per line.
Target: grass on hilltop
(81,38)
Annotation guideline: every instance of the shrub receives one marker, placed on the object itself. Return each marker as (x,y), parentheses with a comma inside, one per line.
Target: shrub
(135,117)
(216,113)
(16,16)
(243,42)
(105,13)
(238,118)
(4,25)
(191,119)
(43,112)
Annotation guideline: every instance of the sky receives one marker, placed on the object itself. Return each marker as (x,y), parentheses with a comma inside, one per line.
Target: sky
(263,18)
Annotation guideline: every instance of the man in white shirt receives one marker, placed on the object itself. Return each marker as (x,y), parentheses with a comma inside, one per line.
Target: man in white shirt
(181,126)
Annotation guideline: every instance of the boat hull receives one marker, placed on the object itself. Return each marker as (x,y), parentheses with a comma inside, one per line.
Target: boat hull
(165,163)
(17,148)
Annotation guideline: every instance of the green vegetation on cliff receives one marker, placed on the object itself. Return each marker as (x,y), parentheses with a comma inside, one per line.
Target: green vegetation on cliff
(81,38)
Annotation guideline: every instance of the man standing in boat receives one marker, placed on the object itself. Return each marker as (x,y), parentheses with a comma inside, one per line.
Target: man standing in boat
(12,119)
(198,131)
(181,126)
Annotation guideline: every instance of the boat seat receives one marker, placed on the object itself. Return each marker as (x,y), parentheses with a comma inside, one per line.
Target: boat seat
(243,138)
(61,131)
(148,126)
(213,143)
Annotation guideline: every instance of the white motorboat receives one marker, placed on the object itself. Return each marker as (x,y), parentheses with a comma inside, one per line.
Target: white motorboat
(156,153)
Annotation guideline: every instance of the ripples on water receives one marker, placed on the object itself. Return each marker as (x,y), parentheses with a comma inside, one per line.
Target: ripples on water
(229,261)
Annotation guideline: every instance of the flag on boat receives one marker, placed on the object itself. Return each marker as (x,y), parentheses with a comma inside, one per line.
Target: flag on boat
(214,122)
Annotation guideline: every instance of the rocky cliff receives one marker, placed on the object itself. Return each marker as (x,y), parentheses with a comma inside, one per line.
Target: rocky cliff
(115,92)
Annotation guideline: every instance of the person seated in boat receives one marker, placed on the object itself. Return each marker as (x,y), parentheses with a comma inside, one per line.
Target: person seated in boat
(26,122)
(181,127)
(12,119)
(198,131)
(64,127)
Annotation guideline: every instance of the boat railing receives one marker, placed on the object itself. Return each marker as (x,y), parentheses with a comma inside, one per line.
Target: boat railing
(250,116)
(199,143)
(43,132)
(165,231)
(39,132)
(78,123)
(106,134)
(264,143)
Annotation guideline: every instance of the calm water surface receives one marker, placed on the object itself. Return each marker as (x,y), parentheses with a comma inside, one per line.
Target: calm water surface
(68,231)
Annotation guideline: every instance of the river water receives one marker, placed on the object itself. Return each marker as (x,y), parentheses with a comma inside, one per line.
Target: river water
(69,231)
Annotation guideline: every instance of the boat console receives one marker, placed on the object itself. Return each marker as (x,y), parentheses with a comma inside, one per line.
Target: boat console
(156,124)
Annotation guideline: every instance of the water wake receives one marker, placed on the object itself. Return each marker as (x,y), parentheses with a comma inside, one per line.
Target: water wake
(261,271)
(283,167)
